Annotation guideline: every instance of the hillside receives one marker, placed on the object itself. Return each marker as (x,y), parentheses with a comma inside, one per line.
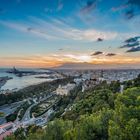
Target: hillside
(101,113)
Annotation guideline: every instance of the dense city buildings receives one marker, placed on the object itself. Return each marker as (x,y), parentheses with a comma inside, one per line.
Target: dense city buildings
(39,109)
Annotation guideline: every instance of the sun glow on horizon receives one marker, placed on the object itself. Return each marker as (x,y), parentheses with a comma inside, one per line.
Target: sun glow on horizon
(55,60)
(41,34)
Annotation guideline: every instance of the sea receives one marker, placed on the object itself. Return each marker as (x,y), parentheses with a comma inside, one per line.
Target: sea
(24,81)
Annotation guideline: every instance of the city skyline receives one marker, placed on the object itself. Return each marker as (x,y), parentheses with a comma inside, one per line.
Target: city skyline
(102,33)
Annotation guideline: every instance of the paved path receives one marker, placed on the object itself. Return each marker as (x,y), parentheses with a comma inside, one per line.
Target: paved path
(26,116)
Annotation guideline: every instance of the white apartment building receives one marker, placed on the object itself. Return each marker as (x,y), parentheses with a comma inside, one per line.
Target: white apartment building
(65,90)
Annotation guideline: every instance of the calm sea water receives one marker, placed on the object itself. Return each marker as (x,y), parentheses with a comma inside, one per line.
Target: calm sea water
(21,82)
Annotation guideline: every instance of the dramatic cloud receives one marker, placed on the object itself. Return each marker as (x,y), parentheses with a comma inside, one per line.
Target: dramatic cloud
(132,39)
(130,8)
(100,39)
(60,49)
(90,5)
(92,34)
(132,43)
(97,53)
(110,54)
(121,7)
(29,29)
(134,8)
(60,5)
(54,9)
(23,28)
(134,3)
(57,29)
(134,49)
(129,14)
(53,60)
(78,57)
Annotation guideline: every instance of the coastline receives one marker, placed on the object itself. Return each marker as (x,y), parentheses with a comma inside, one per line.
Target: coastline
(21,78)
(32,91)
(36,84)
(22,88)
(3,80)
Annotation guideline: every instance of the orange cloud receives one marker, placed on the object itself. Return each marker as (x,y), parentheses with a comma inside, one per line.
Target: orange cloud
(54,60)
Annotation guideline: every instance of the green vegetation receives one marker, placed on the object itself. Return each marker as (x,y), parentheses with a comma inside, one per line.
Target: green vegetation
(132,83)
(33,132)
(23,109)
(101,113)
(43,106)
(19,113)
(125,123)
(11,118)
(92,102)
(1,114)
(31,91)
(65,102)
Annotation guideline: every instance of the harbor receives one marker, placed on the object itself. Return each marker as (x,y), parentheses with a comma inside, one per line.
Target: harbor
(14,79)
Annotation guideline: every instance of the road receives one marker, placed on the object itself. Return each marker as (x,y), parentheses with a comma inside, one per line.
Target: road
(9,109)
(26,116)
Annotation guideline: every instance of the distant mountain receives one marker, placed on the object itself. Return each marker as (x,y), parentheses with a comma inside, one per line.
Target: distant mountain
(95,66)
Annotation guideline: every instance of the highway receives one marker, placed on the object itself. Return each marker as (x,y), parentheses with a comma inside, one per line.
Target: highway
(26,116)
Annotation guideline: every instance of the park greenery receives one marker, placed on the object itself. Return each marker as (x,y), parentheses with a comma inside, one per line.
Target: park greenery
(44,106)
(102,113)
(1,114)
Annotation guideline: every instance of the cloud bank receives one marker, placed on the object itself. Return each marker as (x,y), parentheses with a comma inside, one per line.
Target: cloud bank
(57,29)
(132,43)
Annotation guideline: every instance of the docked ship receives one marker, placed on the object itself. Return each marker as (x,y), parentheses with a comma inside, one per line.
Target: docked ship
(14,70)
(20,73)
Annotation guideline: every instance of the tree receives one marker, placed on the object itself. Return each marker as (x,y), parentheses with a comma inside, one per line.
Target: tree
(94,126)
(125,124)
(56,129)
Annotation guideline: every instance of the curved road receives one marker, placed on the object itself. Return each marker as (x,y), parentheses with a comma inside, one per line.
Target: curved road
(26,116)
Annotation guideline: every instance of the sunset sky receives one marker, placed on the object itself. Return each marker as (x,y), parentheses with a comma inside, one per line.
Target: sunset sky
(50,33)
